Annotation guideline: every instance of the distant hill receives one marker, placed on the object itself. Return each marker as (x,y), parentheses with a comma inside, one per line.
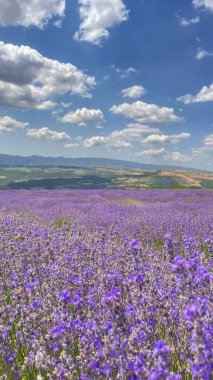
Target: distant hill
(67,177)
(8,160)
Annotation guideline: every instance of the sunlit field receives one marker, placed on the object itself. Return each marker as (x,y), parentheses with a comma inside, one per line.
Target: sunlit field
(106,285)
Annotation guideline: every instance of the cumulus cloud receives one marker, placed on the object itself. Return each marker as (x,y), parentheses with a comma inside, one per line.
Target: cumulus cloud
(207,4)
(48,104)
(123,139)
(8,124)
(46,133)
(206,149)
(133,92)
(197,152)
(97,17)
(120,138)
(159,139)
(146,113)
(116,144)
(202,53)
(208,141)
(151,152)
(30,12)
(164,154)
(184,22)
(142,129)
(179,157)
(27,79)
(83,116)
(133,131)
(95,141)
(204,95)
(108,141)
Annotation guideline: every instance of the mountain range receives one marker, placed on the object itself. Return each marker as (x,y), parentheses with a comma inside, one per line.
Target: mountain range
(9,160)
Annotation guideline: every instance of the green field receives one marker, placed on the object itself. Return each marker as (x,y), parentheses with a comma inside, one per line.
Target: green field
(101,178)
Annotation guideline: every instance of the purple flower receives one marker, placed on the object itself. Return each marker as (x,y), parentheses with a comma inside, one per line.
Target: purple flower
(65,296)
(112,296)
(160,348)
(58,330)
(30,285)
(134,244)
(202,276)
(107,326)
(10,357)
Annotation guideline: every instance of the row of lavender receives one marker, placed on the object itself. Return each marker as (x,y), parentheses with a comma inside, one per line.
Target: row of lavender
(106,285)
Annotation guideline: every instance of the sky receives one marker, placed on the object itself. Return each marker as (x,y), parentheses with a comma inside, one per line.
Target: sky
(122,79)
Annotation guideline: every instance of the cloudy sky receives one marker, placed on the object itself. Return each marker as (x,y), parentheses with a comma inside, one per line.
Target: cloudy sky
(123,79)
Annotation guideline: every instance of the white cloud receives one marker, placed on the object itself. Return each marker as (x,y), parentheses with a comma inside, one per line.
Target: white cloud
(197,152)
(182,135)
(79,138)
(120,138)
(184,22)
(204,95)
(202,53)
(116,144)
(142,129)
(208,141)
(8,124)
(66,104)
(206,149)
(133,92)
(130,70)
(30,12)
(56,113)
(179,157)
(126,73)
(97,17)
(96,141)
(46,105)
(133,132)
(207,4)
(151,152)
(58,23)
(83,116)
(27,79)
(146,113)
(159,139)
(46,133)
(108,141)
(71,145)
(164,154)
(123,138)
(99,127)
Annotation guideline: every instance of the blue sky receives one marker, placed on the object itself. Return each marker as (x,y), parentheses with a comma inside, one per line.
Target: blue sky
(123,79)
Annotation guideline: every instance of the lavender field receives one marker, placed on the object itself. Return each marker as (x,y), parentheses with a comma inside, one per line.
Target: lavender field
(106,285)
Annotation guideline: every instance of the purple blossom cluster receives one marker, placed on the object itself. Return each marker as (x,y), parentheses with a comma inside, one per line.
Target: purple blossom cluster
(106,285)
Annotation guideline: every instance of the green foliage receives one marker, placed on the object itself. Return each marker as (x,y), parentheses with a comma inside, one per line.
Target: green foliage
(60,222)
(178,187)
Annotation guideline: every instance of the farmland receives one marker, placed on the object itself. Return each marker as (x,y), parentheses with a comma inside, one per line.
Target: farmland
(61,177)
(103,284)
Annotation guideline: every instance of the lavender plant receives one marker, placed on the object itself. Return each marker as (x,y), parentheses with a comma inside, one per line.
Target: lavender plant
(106,285)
